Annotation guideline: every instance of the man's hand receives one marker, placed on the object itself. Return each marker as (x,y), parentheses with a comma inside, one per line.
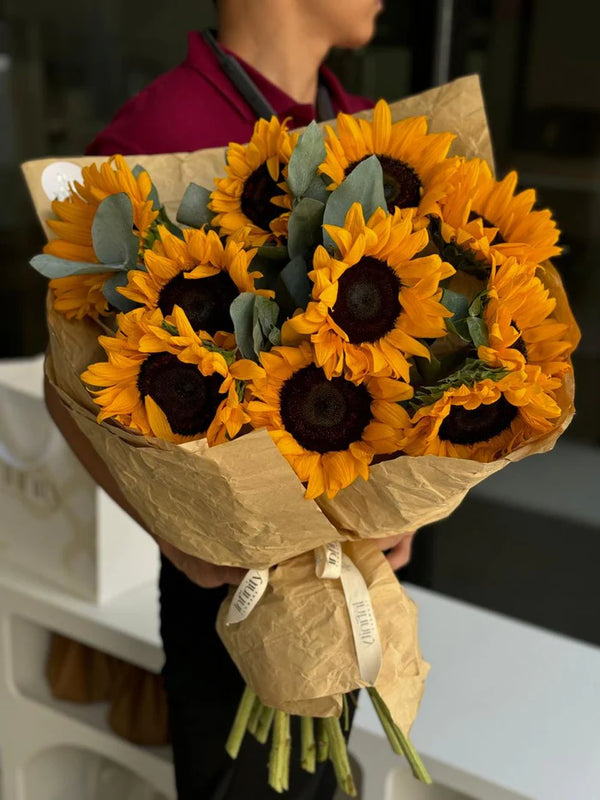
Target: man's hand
(399,549)
(206,575)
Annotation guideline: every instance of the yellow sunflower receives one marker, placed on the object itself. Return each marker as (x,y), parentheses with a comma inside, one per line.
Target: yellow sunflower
(253,194)
(487,420)
(199,274)
(329,430)
(177,387)
(77,296)
(518,315)
(486,219)
(370,305)
(409,156)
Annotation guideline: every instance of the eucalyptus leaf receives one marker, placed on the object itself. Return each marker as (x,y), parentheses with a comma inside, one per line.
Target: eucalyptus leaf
(455,302)
(153,195)
(294,286)
(54,267)
(114,241)
(242,314)
(305,227)
(305,160)
(478,331)
(272,252)
(193,209)
(317,189)
(264,327)
(363,185)
(115,298)
(460,328)
(477,304)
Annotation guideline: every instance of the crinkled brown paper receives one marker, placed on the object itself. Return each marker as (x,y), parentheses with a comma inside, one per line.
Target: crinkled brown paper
(241,504)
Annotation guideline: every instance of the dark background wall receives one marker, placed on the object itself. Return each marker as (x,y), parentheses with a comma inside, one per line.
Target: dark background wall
(66,66)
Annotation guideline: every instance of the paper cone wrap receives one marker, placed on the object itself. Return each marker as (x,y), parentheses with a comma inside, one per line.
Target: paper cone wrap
(240,503)
(293,650)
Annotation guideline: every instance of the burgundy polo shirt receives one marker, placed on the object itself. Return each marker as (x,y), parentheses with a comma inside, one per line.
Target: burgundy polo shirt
(195,106)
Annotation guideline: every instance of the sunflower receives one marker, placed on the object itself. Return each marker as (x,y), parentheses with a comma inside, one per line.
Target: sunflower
(487,220)
(519,322)
(329,430)
(409,156)
(486,420)
(177,388)
(77,296)
(370,305)
(253,194)
(199,274)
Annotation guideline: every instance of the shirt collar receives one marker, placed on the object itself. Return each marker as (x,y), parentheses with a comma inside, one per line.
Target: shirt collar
(201,58)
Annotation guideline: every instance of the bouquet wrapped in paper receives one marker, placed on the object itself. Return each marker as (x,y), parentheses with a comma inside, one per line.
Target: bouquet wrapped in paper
(344,331)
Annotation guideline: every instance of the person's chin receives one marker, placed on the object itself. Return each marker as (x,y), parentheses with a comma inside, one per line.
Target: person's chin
(356,41)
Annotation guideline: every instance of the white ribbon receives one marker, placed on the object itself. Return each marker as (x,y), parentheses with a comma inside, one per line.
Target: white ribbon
(332,562)
(247,595)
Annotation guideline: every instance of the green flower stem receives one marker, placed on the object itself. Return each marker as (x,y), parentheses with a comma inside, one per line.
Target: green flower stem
(264,724)
(309,750)
(279,761)
(399,742)
(322,741)
(345,713)
(240,723)
(255,716)
(338,754)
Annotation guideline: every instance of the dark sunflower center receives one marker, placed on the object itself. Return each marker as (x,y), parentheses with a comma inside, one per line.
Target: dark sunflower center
(205,301)
(401,184)
(497,238)
(256,203)
(187,398)
(324,415)
(463,426)
(367,304)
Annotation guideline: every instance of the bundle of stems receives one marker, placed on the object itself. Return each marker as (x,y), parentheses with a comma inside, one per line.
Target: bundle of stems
(320,739)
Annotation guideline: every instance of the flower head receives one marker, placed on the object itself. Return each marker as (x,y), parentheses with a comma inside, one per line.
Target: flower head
(486,219)
(164,379)
(409,156)
(372,303)
(328,429)
(253,198)
(488,419)
(199,274)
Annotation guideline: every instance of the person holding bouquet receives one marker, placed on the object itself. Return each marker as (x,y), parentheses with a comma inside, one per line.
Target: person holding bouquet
(266,60)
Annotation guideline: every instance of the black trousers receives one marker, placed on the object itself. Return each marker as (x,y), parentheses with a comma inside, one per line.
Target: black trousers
(203,689)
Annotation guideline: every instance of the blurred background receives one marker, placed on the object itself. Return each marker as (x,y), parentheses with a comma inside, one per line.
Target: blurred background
(523,543)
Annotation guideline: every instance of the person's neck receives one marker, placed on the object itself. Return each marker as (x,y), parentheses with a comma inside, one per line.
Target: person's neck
(284,56)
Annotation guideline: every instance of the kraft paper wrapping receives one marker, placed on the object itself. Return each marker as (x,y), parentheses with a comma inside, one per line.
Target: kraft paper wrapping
(294,653)
(240,503)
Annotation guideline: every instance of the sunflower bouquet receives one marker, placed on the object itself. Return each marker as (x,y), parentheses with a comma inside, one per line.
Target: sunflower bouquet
(336,340)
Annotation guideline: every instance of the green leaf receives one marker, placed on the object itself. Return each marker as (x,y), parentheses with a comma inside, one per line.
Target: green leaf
(472,371)
(455,302)
(269,260)
(272,252)
(305,160)
(363,185)
(54,267)
(153,195)
(478,304)
(114,241)
(115,298)
(478,331)
(193,209)
(429,369)
(265,332)
(317,189)
(459,328)
(305,227)
(294,286)
(242,314)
